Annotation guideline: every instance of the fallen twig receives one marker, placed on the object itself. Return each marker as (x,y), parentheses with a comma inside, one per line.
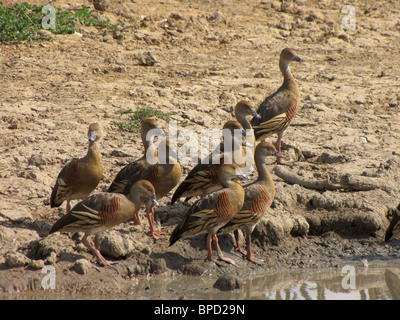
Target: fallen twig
(348,182)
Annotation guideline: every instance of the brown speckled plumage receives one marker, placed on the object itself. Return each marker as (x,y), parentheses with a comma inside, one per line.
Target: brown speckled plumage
(164,175)
(278,110)
(258,197)
(121,179)
(104,210)
(203,178)
(79,177)
(212,211)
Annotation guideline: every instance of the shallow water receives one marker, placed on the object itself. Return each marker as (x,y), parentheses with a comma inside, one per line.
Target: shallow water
(377,281)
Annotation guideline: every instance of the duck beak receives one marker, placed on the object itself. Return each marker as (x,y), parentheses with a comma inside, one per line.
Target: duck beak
(245,133)
(154,200)
(241,175)
(92,136)
(298,59)
(246,144)
(255,115)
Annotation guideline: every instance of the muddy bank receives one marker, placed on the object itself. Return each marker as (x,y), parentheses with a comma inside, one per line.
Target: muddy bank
(331,207)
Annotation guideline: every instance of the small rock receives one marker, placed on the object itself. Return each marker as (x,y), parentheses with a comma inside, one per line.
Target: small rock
(276,5)
(108,38)
(120,69)
(344,37)
(176,16)
(269,230)
(146,59)
(193,270)
(259,75)
(81,266)
(300,226)
(36,264)
(146,250)
(14,125)
(134,270)
(51,259)
(158,266)
(37,160)
(119,153)
(330,158)
(227,283)
(216,16)
(308,153)
(16,259)
(225,96)
(313,16)
(284,33)
(284,25)
(116,245)
(101,5)
(6,234)
(44,34)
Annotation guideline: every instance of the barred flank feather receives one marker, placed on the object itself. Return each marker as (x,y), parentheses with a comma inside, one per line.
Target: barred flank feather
(122,178)
(212,211)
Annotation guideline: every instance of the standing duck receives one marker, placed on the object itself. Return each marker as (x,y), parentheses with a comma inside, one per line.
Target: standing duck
(258,198)
(203,178)
(164,175)
(213,211)
(104,210)
(278,110)
(79,177)
(148,130)
(243,109)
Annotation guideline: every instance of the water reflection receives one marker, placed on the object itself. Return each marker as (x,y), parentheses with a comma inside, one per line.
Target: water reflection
(373,283)
(379,283)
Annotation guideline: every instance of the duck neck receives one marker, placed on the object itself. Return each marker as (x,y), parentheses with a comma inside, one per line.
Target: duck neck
(146,143)
(288,81)
(231,143)
(93,153)
(241,118)
(264,176)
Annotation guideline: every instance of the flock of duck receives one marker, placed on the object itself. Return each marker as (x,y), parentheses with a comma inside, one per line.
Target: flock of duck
(224,204)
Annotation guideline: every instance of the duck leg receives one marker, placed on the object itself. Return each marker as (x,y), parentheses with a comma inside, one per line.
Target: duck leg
(68,207)
(156,234)
(219,251)
(209,247)
(238,248)
(136,220)
(99,258)
(249,255)
(278,148)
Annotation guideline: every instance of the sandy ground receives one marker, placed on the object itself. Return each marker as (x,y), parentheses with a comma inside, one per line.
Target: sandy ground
(210,54)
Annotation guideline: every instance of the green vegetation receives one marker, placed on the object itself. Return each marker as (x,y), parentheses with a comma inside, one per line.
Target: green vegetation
(22,21)
(136,117)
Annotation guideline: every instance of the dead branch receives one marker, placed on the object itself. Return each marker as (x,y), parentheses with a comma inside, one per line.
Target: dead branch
(348,182)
